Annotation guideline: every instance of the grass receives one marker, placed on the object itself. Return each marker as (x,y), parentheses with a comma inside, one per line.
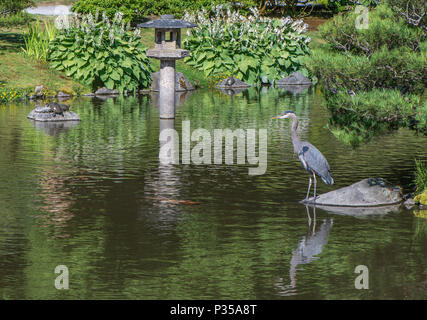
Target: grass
(420,176)
(19,71)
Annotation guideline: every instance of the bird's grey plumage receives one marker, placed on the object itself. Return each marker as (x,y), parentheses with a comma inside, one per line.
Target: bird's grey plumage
(315,161)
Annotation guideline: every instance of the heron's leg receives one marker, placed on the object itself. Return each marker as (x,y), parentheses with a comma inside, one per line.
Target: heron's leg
(314,218)
(309,187)
(315,182)
(308,215)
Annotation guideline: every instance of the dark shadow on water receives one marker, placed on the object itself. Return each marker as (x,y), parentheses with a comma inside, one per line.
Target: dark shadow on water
(11,41)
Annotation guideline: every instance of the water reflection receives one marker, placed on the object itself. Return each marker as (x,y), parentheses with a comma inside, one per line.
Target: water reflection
(361,211)
(180,97)
(294,89)
(308,250)
(54,128)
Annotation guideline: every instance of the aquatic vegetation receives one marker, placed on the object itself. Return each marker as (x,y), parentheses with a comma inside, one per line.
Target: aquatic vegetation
(250,48)
(99,52)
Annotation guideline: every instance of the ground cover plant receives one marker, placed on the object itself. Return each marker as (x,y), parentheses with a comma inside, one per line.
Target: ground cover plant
(252,48)
(99,52)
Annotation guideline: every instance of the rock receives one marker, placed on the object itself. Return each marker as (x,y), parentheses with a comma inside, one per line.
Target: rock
(366,193)
(181,82)
(295,79)
(144,91)
(232,83)
(89,95)
(39,91)
(52,113)
(409,203)
(106,92)
(63,95)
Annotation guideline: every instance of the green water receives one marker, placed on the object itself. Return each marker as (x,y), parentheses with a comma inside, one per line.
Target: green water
(92,198)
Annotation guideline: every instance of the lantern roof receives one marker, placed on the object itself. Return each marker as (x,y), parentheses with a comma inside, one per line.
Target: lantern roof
(167,21)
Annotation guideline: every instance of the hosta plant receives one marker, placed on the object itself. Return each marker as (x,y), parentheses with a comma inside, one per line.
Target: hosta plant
(251,48)
(99,52)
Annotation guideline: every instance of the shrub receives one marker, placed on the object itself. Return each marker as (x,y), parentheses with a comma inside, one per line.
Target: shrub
(400,68)
(385,30)
(420,176)
(134,10)
(249,48)
(37,39)
(10,7)
(16,19)
(101,53)
(360,117)
(382,67)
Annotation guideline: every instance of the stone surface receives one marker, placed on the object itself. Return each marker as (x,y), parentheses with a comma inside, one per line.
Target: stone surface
(106,92)
(39,91)
(63,95)
(366,193)
(295,79)
(173,54)
(235,84)
(181,82)
(167,21)
(47,114)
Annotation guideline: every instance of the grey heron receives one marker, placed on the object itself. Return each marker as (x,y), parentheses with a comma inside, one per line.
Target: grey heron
(311,158)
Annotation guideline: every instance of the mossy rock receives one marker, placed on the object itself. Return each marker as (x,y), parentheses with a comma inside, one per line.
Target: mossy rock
(420,213)
(421,198)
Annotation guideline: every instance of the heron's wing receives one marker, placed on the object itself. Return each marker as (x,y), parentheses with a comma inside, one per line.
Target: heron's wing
(315,161)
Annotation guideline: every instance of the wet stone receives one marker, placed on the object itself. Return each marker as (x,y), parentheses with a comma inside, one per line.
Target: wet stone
(366,193)
(52,113)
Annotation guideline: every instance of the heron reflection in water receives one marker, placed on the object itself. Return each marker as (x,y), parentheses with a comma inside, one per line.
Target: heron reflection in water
(309,248)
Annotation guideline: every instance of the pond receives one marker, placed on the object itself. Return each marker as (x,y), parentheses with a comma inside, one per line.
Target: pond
(96,198)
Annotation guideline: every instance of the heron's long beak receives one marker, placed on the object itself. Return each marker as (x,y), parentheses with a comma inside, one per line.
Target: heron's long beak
(276,117)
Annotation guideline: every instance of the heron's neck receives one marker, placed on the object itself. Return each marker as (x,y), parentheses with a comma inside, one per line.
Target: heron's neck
(295,140)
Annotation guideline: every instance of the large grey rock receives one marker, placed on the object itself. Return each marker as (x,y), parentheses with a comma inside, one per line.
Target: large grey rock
(366,193)
(181,82)
(47,114)
(295,79)
(232,83)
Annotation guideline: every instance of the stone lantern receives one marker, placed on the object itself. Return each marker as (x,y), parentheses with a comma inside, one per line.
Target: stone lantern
(167,50)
